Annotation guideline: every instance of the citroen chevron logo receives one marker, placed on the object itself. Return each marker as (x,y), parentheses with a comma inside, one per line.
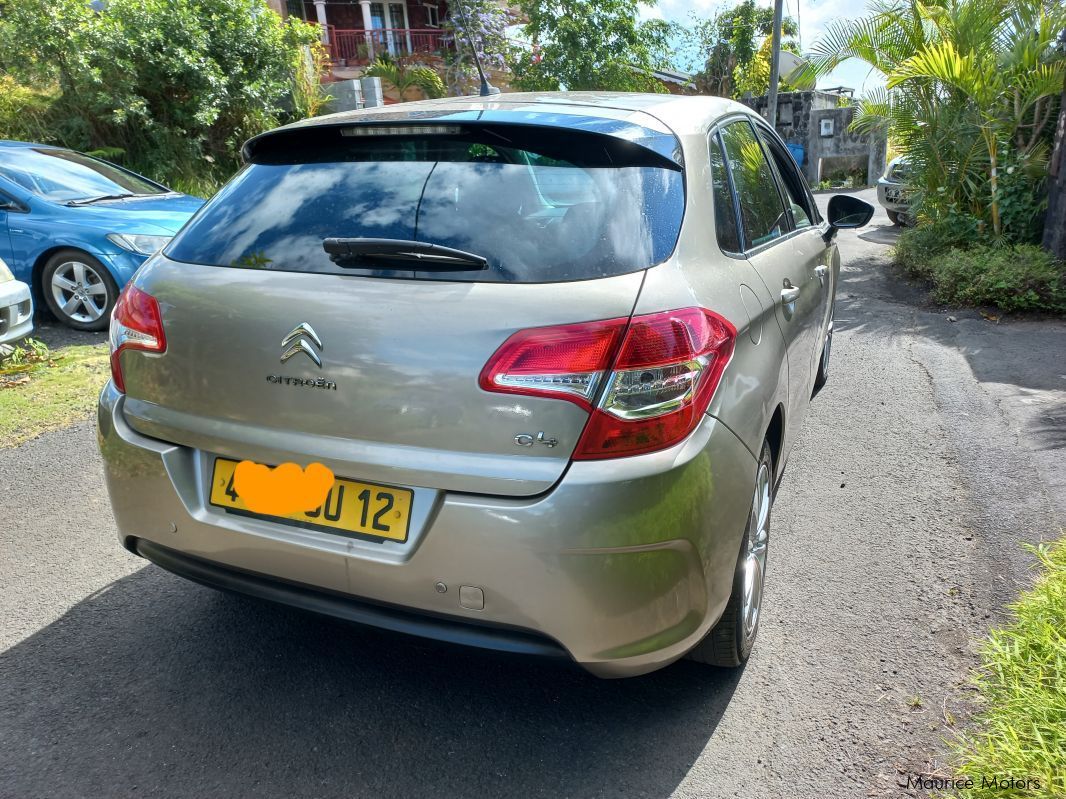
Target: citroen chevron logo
(297,341)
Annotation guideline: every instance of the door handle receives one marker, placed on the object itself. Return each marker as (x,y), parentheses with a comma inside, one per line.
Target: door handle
(789,294)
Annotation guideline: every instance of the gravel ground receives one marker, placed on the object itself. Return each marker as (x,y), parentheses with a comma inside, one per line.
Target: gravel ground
(936,449)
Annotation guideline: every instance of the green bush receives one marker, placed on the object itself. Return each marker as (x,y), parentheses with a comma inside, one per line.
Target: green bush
(175,85)
(25,111)
(1021,277)
(919,248)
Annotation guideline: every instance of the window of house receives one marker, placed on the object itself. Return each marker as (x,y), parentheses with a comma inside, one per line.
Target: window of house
(432,16)
(762,213)
(725,213)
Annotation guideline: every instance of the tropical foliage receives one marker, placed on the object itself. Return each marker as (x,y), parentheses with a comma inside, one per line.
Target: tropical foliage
(577,44)
(406,77)
(482,24)
(170,87)
(971,93)
(733,48)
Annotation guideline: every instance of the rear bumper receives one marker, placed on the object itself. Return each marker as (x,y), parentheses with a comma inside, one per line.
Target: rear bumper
(623,565)
(344,606)
(16,311)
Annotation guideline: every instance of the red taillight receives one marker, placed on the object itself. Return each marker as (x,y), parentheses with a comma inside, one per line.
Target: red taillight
(136,324)
(563,362)
(657,386)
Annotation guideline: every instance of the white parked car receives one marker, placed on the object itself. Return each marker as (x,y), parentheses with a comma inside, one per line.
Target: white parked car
(893,193)
(16,307)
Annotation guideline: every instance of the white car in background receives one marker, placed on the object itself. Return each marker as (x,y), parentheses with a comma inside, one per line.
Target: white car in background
(894,194)
(16,307)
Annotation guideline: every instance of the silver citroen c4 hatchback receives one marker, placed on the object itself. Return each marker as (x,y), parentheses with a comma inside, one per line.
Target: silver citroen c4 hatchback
(554,349)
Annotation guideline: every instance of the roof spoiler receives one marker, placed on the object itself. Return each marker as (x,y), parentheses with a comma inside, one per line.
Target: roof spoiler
(580,140)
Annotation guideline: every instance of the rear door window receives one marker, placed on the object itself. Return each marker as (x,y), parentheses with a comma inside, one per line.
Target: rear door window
(535,216)
(792,183)
(725,213)
(761,210)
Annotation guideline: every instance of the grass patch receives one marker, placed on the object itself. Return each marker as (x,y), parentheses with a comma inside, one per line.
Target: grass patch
(1021,726)
(42,390)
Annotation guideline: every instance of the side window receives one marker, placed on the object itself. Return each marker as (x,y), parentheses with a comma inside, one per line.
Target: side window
(791,180)
(725,214)
(762,213)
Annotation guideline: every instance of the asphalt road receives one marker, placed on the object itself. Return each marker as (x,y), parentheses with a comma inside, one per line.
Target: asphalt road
(936,449)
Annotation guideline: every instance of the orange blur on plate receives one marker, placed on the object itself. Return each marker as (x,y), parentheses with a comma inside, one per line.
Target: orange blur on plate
(282,490)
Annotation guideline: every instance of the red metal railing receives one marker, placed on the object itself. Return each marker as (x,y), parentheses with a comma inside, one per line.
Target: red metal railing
(362,46)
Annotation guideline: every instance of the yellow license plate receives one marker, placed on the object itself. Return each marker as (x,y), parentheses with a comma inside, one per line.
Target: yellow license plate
(351,507)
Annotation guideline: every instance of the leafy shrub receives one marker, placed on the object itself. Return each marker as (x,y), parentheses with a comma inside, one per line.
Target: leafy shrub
(24,111)
(177,85)
(1021,277)
(919,248)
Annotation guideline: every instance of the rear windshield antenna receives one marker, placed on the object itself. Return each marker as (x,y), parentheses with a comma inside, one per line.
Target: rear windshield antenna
(487,89)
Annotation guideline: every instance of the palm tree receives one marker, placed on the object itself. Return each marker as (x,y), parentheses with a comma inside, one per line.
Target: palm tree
(965,80)
(405,77)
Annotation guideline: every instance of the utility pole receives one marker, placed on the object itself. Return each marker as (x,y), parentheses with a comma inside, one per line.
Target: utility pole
(775,65)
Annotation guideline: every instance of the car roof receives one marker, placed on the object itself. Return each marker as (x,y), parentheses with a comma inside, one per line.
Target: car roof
(11,144)
(682,114)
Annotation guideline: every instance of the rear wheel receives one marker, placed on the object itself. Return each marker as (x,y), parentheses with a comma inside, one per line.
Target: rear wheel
(730,641)
(78,290)
(823,363)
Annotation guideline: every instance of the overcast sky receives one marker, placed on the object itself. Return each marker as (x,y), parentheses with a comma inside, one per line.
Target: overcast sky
(813,16)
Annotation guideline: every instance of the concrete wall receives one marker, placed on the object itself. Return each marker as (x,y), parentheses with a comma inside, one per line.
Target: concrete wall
(843,146)
(799,116)
(349,95)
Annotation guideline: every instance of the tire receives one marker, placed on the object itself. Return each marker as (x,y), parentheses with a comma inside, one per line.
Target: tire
(823,361)
(730,641)
(893,217)
(78,290)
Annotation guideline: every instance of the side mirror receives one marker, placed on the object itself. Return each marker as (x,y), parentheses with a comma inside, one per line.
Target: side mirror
(10,205)
(846,211)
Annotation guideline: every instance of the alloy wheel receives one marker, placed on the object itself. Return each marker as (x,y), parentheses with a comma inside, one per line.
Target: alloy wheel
(826,348)
(79,291)
(755,554)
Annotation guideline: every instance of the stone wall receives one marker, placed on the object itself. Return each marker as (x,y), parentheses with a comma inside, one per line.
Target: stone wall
(799,118)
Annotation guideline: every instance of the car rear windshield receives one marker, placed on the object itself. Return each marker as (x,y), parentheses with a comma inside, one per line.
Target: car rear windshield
(576,208)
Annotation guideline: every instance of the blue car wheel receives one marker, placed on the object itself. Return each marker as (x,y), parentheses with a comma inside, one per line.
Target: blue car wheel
(78,290)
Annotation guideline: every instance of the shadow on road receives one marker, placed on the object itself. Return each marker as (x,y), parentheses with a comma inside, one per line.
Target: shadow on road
(881,234)
(156,686)
(1024,354)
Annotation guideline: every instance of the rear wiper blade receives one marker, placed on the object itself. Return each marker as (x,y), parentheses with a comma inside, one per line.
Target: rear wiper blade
(89,200)
(420,255)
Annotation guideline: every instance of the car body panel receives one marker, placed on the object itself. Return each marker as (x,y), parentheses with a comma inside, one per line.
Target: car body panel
(16,311)
(406,408)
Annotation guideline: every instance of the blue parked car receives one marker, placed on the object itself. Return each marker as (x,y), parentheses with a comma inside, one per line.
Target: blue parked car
(76,228)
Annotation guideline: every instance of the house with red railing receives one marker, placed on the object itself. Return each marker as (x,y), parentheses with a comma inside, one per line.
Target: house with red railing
(356,31)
